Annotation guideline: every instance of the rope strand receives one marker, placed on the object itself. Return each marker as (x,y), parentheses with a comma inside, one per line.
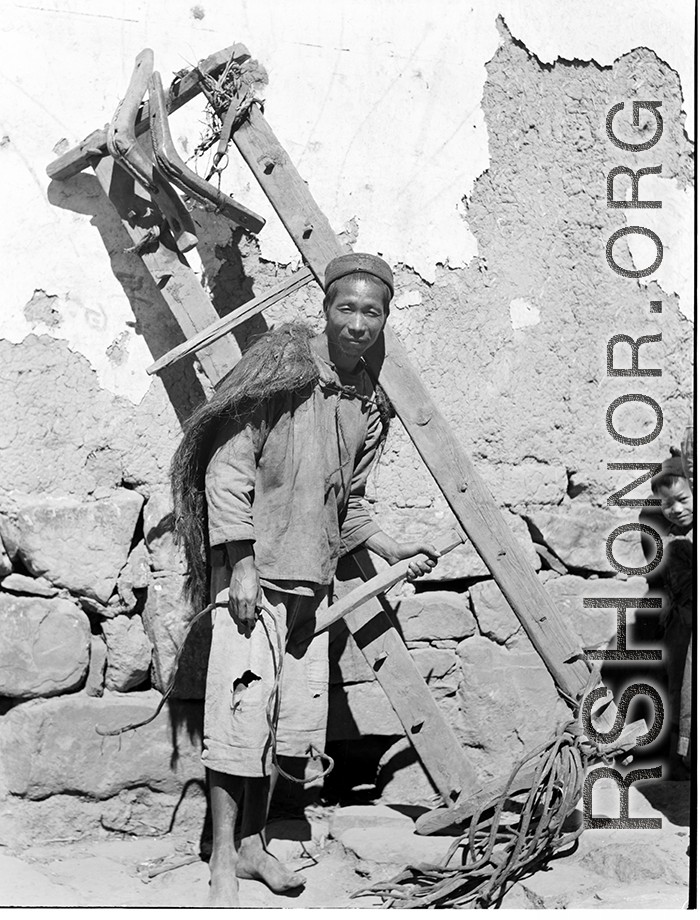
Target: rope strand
(499,849)
(272,711)
(171,683)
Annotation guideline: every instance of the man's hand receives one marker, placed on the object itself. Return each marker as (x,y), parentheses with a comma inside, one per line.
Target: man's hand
(244,586)
(386,547)
(419,566)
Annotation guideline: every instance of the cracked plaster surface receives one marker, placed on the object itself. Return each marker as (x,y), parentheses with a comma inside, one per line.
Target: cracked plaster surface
(527,403)
(385,123)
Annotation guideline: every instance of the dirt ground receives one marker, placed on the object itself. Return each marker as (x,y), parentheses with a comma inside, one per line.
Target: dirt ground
(113,871)
(342,849)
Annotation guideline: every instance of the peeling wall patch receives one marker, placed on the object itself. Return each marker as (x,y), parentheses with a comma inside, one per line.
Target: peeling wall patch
(673,224)
(118,351)
(41,309)
(408,299)
(523,314)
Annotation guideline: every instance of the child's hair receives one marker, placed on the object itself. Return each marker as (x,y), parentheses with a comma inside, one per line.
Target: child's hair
(670,474)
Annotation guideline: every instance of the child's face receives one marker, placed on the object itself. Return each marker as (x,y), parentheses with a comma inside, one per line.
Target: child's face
(677,503)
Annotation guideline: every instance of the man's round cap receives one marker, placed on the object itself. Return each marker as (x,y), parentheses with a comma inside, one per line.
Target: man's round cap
(353,262)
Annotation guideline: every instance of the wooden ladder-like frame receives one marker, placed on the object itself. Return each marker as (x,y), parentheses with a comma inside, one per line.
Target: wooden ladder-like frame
(472,504)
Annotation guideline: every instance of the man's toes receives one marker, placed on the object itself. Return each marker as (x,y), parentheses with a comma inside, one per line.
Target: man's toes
(265,868)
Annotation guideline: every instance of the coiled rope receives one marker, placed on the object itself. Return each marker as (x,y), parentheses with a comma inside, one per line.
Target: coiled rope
(272,710)
(511,836)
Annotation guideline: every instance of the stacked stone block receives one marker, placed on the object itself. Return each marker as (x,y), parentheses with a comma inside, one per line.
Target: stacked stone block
(91,612)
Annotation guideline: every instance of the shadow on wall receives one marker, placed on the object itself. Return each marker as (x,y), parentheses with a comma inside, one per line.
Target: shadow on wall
(228,284)
(82,194)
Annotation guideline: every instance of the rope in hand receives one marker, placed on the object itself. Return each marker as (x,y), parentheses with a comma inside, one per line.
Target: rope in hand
(512,835)
(272,710)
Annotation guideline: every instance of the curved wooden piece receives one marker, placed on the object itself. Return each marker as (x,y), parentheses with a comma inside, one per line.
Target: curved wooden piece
(126,150)
(379,583)
(177,171)
(183,88)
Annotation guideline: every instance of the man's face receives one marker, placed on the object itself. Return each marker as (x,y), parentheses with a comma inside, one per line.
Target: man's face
(355,317)
(677,503)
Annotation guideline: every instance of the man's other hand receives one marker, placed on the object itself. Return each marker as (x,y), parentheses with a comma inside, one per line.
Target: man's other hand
(244,586)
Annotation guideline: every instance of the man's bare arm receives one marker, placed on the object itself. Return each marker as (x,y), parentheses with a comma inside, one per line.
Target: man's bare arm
(388,548)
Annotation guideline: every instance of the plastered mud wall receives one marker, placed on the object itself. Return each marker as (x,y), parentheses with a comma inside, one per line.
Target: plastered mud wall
(512,344)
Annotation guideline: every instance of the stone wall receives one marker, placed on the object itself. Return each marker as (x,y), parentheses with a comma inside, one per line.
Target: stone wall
(511,344)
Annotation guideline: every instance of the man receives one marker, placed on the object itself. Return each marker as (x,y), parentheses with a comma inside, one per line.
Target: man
(287,444)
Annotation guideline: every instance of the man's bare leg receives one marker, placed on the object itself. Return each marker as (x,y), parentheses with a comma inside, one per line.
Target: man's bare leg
(254,860)
(226,792)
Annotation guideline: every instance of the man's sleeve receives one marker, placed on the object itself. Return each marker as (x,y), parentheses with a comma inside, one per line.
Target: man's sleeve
(230,481)
(357,525)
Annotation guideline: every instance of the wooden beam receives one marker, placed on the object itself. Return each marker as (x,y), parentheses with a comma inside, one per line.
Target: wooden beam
(477,512)
(436,744)
(182,90)
(225,324)
(468,497)
(289,195)
(187,299)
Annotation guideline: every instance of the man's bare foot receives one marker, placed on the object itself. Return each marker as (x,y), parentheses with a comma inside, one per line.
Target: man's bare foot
(256,863)
(223,886)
